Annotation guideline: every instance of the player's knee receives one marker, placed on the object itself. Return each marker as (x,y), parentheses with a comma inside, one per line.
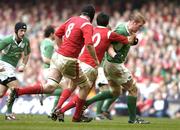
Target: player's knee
(115,93)
(133,90)
(50,86)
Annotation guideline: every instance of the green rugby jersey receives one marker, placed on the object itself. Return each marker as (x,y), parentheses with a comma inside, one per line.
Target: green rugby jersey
(47,49)
(121,49)
(12,51)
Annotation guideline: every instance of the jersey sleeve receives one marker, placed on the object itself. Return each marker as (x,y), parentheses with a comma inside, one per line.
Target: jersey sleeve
(4,43)
(61,30)
(87,30)
(113,36)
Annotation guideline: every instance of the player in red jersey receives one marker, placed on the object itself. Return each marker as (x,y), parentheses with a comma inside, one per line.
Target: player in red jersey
(76,32)
(102,37)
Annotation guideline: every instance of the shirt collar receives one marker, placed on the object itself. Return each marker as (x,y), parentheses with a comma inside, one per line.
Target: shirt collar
(126,26)
(84,17)
(14,39)
(101,27)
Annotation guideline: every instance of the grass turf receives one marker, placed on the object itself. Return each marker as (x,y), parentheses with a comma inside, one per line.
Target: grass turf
(41,122)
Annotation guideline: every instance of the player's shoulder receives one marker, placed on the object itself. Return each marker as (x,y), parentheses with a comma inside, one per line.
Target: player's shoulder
(120,25)
(8,38)
(26,39)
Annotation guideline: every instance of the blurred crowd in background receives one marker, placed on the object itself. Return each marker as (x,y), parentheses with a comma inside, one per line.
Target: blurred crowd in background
(154,62)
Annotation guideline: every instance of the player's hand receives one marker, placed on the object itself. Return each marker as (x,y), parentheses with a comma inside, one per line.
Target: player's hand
(135,42)
(21,68)
(131,39)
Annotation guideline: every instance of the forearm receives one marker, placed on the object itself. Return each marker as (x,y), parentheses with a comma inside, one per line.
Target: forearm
(25,59)
(111,51)
(58,40)
(92,52)
(46,60)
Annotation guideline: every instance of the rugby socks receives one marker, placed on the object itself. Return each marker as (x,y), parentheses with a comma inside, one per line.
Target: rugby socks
(66,93)
(55,102)
(99,105)
(9,108)
(100,96)
(108,103)
(71,104)
(131,102)
(34,89)
(79,105)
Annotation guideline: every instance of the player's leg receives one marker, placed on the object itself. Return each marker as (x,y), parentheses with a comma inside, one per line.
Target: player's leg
(131,87)
(3,89)
(66,93)
(84,87)
(11,83)
(99,104)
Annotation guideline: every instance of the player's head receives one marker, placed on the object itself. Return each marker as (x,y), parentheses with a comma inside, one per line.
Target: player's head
(20,29)
(102,19)
(89,11)
(49,31)
(137,20)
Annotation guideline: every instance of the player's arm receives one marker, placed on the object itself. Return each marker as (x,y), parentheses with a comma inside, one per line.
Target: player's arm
(46,54)
(92,52)
(111,51)
(87,35)
(46,60)
(113,36)
(59,34)
(4,43)
(25,57)
(23,63)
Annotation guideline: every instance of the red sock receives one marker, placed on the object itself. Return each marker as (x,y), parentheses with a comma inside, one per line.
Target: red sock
(66,93)
(71,104)
(34,89)
(79,105)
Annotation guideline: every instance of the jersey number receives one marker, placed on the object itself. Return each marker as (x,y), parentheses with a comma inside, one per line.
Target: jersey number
(69,29)
(96,36)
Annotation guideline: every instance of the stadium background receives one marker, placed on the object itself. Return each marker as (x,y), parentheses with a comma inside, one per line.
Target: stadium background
(155,62)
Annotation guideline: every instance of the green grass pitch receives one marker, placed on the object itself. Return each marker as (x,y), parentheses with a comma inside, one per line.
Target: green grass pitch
(41,122)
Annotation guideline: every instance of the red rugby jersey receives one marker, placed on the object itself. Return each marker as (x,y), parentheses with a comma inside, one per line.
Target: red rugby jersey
(102,37)
(76,32)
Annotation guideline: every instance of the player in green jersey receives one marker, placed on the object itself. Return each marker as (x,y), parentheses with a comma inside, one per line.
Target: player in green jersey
(13,48)
(47,50)
(117,74)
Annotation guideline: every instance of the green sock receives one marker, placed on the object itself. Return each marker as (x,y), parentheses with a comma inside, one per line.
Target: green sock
(100,96)
(99,104)
(131,102)
(55,102)
(108,103)
(9,108)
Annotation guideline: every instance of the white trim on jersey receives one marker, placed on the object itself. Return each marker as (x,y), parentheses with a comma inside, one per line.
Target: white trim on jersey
(109,33)
(84,24)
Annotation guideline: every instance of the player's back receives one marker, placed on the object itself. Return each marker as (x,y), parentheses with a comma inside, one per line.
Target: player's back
(101,43)
(73,40)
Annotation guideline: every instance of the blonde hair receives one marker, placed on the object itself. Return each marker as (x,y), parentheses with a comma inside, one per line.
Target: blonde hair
(137,17)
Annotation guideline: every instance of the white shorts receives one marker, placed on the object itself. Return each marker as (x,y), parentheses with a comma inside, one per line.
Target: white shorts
(9,71)
(116,72)
(69,67)
(90,72)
